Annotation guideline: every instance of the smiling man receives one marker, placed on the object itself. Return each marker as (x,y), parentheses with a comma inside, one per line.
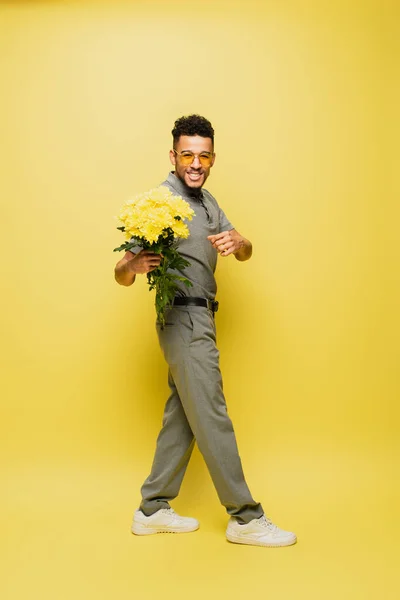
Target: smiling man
(196,409)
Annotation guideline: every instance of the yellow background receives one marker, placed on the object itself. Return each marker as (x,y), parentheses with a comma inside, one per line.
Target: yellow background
(304,99)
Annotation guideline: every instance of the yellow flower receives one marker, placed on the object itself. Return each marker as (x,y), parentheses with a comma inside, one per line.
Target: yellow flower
(180,229)
(181,208)
(149,214)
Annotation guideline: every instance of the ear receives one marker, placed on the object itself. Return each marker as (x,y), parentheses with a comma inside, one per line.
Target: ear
(172,157)
(213,160)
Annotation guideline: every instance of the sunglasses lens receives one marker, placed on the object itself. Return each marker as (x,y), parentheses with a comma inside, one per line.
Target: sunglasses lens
(205,160)
(187,158)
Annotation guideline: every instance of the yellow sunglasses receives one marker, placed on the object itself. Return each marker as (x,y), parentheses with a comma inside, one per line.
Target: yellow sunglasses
(187,157)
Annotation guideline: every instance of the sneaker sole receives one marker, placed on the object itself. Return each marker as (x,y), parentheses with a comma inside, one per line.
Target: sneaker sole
(240,540)
(139,529)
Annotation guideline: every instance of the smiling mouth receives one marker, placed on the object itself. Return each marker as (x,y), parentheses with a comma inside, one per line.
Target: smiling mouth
(194,175)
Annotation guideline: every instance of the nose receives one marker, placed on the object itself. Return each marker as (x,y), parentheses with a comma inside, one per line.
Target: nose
(196,164)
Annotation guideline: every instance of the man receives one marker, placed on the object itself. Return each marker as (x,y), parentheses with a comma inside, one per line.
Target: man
(196,408)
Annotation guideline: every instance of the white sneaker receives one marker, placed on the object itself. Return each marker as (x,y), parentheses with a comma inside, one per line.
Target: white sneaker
(259,532)
(164,520)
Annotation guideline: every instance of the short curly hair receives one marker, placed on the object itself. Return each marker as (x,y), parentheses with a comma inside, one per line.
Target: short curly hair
(192,125)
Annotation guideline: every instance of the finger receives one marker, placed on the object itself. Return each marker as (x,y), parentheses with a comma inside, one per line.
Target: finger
(153,264)
(222,242)
(220,235)
(225,246)
(229,244)
(227,252)
(226,237)
(151,253)
(153,257)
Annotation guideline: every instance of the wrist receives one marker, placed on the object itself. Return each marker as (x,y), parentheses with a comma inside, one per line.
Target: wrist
(245,252)
(241,245)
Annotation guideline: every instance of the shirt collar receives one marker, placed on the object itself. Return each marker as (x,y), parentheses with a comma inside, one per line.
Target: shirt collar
(182,188)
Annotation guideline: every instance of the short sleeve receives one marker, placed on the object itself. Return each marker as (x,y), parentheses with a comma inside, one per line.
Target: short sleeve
(135,249)
(224,223)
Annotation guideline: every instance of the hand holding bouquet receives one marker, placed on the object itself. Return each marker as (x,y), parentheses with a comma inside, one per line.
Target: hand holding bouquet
(152,221)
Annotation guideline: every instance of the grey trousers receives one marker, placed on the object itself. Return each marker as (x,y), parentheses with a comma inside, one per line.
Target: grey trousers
(196,410)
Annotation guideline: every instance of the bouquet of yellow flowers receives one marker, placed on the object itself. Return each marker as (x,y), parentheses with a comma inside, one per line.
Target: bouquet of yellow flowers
(152,221)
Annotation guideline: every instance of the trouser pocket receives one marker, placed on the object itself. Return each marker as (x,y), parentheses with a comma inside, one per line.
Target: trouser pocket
(177,335)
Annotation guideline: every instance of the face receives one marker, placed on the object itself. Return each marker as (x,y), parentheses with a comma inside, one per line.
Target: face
(193,175)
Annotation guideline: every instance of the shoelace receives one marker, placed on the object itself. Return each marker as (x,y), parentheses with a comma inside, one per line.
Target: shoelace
(171,513)
(268,524)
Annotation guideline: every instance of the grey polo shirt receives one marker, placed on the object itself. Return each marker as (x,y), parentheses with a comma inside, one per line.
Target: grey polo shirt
(197,249)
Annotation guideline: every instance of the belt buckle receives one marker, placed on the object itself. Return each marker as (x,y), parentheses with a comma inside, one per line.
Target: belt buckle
(214,305)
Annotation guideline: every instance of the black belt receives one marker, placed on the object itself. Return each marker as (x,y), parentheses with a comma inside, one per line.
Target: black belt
(190,301)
